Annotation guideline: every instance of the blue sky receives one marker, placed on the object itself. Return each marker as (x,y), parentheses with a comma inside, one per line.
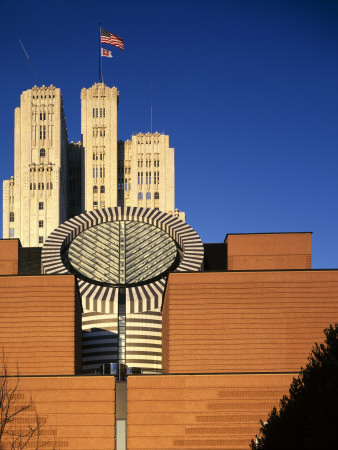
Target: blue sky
(246,89)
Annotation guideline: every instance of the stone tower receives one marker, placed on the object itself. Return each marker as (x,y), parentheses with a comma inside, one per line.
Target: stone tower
(35,199)
(99,140)
(146,172)
(55,180)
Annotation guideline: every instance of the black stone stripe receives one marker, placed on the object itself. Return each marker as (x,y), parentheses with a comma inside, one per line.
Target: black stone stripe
(137,337)
(144,353)
(139,362)
(143,320)
(146,345)
(131,328)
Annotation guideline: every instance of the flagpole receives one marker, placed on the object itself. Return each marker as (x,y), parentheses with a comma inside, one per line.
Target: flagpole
(100,77)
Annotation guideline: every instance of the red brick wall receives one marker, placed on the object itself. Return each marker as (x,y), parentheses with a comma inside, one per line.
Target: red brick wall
(245,321)
(9,256)
(269,251)
(40,323)
(200,411)
(76,412)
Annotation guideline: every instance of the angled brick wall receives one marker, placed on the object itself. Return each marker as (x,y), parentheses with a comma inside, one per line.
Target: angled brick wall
(76,412)
(40,326)
(246,321)
(274,251)
(200,411)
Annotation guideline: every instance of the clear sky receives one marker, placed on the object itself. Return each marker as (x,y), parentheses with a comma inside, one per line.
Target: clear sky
(246,89)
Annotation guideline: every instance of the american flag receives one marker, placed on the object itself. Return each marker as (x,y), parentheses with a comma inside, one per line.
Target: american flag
(110,38)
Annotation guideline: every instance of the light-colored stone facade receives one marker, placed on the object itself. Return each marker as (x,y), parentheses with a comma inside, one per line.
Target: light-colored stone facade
(35,200)
(146,172)
(99,138)
(55,180)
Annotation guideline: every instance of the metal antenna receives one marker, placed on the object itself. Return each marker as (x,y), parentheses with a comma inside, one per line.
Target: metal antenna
(151,109)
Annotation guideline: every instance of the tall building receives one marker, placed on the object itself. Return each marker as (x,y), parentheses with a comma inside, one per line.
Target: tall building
(99,138)
(35,200)
(55,180)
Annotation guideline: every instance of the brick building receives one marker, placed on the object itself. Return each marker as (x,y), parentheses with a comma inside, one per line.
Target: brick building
(238,322)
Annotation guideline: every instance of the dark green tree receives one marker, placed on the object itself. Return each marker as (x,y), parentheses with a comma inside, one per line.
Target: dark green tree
(308,416)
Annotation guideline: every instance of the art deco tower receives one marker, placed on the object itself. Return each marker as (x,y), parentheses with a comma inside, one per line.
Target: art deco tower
(146,172)
(99,139)
(55,180)
(34,200)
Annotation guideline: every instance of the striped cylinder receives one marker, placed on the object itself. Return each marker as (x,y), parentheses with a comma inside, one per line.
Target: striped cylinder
(143,300)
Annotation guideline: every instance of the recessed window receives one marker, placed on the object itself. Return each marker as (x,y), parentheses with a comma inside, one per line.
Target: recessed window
(40,223)
(42,131)
(95,190)
(40,239)
(42,152)
(148,196)
(102,189)
(94,205)
(11,216)
(40,206)
(156,196)
(140,196)
(11,232)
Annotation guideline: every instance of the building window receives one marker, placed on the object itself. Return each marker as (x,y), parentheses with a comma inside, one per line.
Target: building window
(140,196)
(156,196)
(41,186)
(95,190)
(42,152)
(40,223)
(43,116)
(11,216)
(11,232)
(40,206)
(148,196)
(42,131)
(40,239)
(94,205)
(102,189)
